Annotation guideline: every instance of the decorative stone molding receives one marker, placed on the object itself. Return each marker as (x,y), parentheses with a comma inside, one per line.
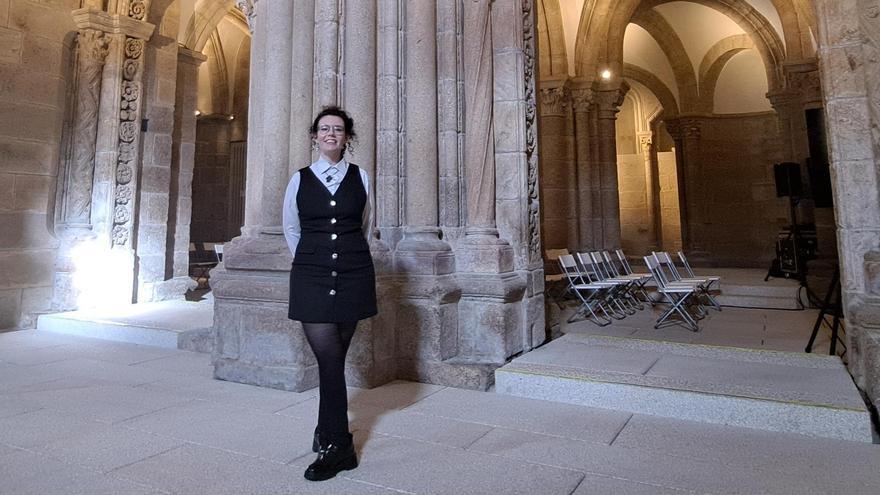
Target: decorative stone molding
(137,9)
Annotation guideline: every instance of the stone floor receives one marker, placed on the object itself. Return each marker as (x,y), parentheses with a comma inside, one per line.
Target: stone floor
(87,416)
(776,330)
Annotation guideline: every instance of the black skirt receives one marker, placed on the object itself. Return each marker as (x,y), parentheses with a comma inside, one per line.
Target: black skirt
(328,289)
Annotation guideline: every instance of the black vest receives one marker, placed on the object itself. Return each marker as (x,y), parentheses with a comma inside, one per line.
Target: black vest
(332,221)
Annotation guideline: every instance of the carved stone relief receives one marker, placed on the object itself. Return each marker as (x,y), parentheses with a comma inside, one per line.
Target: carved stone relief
(534,209)
(77,184)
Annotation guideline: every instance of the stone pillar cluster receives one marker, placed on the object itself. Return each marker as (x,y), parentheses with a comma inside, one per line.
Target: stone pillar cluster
(579,118)
(446,129)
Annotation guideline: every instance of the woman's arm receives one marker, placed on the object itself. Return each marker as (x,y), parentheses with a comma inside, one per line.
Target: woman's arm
(367,218)
(290,214)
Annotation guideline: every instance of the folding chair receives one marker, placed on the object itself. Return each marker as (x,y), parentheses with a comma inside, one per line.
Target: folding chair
(712,279)
(643,278)
(555,283)
(702,284)
(614,300)
(677,295)
(201,260)
(634,280)
(588,293)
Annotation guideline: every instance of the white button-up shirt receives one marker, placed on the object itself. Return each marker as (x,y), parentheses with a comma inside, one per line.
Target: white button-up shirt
(322,170)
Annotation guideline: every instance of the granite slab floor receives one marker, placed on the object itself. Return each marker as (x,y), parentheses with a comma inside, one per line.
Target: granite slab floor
(82,416)
(775,330)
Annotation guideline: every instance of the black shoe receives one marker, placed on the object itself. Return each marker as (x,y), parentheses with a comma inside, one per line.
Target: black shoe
(332,458)
(316,441)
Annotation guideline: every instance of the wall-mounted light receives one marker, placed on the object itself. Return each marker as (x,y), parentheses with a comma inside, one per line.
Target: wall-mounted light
(605,74)
(198,112)
(231,117)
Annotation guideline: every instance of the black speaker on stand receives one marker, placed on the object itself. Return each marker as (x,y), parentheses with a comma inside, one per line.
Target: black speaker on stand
(791,255)
(787,176)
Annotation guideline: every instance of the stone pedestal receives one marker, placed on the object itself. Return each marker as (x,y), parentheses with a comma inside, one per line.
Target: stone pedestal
(427,313)
(490,311)
(254,341)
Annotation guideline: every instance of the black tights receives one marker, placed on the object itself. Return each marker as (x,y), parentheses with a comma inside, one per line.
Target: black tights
(329,342)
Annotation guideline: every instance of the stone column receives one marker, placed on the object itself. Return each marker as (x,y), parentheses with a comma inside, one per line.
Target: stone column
(686,134)
(388,99)
(302,84)
(424,263)
(582,103)
(608,103)
(182,162)
(491,290)
(254,341)
(556,160)
(327,54)
(652,189)
(450,109)
(371,360)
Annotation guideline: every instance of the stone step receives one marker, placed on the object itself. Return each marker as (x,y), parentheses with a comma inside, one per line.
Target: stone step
(767,390)
(170,324)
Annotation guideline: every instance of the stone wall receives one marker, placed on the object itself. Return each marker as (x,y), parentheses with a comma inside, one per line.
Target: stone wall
(636,231)
(733,215)
(849,56)
(670,213)
(36,46)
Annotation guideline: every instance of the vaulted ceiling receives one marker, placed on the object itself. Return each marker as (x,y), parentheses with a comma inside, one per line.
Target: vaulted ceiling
(698,56)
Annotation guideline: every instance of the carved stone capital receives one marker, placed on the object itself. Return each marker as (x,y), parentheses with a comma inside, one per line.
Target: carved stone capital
(555,101)
(582,99)
(608,101)
(249,9)
(92,45)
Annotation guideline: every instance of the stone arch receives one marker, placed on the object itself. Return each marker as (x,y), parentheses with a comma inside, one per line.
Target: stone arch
(656,86)
(791,29)
(590,42)
(553,60)
(604,40)
(218,71)
(206,16)
(656,25)
(713,63)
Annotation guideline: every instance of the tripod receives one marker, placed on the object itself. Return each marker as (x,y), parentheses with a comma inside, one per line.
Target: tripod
(826,307)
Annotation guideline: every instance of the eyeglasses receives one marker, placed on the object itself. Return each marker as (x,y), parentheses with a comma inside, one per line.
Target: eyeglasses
(335,129)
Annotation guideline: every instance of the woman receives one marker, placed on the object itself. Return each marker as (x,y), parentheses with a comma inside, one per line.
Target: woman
(332,283)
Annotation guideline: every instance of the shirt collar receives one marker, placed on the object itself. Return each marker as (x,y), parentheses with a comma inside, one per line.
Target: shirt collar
(323,166)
